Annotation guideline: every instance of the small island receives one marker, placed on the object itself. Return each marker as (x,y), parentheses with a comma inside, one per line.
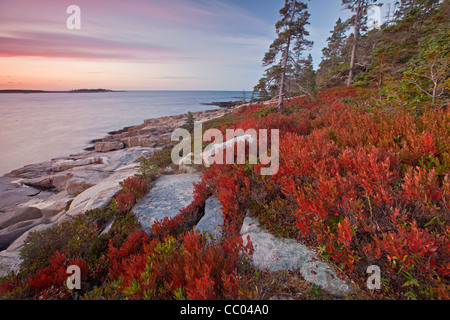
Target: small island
(70,91)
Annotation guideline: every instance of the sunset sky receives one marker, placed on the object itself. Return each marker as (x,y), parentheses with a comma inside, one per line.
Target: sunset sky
(145,44)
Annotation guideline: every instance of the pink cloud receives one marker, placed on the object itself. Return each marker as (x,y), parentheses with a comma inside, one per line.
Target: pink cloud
(38,29)
(78,46)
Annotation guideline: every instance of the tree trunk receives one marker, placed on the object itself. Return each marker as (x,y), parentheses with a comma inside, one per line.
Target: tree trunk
(285,59)
(355,43)
(283,75)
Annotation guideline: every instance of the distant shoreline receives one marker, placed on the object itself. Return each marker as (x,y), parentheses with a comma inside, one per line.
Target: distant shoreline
(63,91)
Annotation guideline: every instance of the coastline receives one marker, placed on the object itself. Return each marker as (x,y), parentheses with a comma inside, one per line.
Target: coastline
(62,91)
(51,193)
(41,195)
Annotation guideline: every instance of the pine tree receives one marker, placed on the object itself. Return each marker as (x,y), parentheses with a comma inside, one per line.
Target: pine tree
(336,41)
(358,20)
(305,77)
(335,58)
(415,12)
(244,100)
(400,41)
(261,89)
(290,42)
(190,121)
(429,72)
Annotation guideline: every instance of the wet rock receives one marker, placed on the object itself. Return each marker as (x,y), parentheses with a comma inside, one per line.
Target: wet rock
(10,259)
(13,194)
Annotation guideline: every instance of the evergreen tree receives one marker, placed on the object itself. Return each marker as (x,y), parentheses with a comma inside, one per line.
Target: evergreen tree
(243,97)
(304,78)
(261,89)
(400,41)
(415,12)
(335,58)
(429,72)
(290,43)
(269,85)
(359,21)
(190,122)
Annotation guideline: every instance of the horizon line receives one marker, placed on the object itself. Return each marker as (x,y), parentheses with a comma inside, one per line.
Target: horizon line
(117,90)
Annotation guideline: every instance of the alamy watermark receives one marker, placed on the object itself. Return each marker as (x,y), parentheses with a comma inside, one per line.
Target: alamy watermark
(182,153)
(374,281)
(74,280)
(74,20)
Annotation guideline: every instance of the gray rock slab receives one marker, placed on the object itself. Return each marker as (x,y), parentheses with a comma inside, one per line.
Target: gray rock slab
(274,253)
(9,261)
(53,205)
(212,221)
(27,213)
(100,195)
(108,146)
(14,194)
(168,196)
(19,242)
(10,234)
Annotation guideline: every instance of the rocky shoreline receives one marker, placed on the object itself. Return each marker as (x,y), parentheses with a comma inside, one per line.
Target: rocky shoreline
(42,195)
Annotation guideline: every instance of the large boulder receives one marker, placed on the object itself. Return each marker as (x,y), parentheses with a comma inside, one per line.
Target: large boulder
(275,253)
(168,196)
(9,261)
(212,221)
(28,213)
(53,205)
(10,234)
(108,146)
(83,179)
(100,195)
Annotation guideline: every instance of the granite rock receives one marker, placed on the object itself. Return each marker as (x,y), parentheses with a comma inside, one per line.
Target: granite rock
(169,195)
(274,253)
(28,213)
(212,221)
(100,195)
(108,146)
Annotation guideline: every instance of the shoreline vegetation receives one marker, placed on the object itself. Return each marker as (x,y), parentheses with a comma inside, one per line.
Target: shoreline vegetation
(385,205)
(363,181)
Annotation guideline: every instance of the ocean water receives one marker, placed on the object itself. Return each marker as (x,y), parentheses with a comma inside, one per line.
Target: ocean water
(40,126)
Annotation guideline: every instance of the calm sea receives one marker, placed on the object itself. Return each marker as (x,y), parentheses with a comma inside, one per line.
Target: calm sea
(40,126)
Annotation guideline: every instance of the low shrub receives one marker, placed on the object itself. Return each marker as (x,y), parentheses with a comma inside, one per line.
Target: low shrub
(364,186)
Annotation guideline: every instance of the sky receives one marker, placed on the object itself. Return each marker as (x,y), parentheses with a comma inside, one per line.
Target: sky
(146,44)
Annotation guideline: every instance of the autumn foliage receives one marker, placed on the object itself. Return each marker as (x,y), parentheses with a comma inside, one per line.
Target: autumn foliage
(165,262)
(365,186)
(188,266)
(361,184)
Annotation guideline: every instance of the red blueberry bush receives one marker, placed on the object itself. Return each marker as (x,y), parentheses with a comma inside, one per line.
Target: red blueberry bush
(366,186)
(187,266)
